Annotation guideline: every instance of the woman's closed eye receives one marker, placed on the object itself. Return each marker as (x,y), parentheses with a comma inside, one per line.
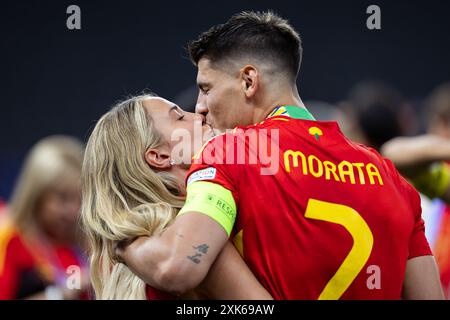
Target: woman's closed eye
(180,114)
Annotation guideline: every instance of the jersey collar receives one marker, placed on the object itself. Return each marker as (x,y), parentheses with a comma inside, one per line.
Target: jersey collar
(292,112)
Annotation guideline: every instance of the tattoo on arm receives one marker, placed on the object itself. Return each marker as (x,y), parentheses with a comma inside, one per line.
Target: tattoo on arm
(195,258)
(199,251)
(203,248)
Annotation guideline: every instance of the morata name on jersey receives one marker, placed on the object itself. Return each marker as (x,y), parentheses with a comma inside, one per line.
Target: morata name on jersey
(344,171)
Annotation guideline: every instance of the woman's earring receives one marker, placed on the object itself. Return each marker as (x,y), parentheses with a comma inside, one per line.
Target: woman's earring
(171,162)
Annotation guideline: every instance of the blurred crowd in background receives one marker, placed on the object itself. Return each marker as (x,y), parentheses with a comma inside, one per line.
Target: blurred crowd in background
(41,245)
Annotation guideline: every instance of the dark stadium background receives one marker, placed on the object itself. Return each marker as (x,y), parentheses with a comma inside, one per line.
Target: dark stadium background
(57,81)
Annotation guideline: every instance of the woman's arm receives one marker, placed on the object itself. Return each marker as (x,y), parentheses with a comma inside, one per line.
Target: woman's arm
(230,279)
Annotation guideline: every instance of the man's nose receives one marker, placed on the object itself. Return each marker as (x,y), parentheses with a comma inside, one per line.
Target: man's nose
(201,107)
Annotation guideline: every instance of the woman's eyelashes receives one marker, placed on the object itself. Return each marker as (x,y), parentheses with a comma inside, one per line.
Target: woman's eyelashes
(180,114)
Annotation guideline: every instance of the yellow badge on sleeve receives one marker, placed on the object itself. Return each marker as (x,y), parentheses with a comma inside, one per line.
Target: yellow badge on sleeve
(212,200)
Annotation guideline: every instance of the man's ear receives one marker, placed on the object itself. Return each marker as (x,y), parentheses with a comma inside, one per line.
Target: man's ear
(250,80)
(157,158)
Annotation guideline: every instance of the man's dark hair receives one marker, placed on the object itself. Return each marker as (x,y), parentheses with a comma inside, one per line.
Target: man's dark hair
(261,35)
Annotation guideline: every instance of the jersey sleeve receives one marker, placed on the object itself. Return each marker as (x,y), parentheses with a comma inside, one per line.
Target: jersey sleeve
(418,243)
(210,184)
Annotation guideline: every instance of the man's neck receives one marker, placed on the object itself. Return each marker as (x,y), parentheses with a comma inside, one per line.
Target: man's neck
(288,100)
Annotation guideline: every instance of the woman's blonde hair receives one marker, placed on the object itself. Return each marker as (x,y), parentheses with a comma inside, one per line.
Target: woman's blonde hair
(122,197)
(49,161)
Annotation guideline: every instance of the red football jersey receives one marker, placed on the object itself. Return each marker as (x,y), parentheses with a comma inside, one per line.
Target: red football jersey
(319,216)
(155,294)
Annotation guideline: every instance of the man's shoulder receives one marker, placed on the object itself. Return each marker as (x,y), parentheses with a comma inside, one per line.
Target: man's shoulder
(390,170)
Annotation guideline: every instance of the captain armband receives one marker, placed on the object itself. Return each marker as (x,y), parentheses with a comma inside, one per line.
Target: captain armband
(212,200)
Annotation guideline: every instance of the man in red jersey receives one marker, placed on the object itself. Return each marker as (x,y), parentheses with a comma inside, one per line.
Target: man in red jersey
(317,217)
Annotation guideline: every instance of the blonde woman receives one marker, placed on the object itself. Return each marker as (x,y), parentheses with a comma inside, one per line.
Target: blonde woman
(131,187)
(39,242)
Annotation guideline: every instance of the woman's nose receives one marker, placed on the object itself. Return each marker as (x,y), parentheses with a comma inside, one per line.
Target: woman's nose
(200,117)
